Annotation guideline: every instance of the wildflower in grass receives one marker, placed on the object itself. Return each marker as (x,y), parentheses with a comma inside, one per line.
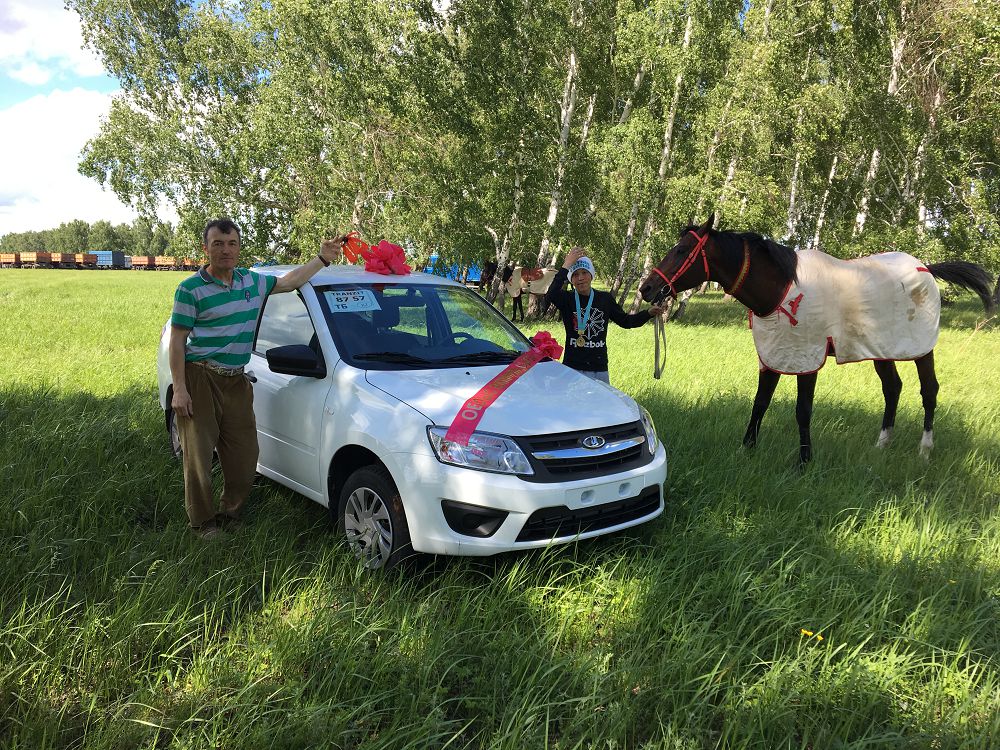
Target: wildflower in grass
(810,634)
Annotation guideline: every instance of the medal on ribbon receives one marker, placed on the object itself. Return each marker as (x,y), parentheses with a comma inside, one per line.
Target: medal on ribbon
(582,318)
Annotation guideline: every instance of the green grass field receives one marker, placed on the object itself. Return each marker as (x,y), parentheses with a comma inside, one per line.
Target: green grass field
(855,604)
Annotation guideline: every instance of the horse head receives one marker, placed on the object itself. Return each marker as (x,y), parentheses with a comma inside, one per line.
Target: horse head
(684,267)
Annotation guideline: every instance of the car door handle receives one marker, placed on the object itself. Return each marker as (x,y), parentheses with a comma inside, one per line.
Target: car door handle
(250,376)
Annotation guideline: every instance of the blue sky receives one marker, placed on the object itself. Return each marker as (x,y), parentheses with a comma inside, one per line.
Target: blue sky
(53,95)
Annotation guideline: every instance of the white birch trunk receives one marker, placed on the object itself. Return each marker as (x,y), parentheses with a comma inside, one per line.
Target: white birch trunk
(792,218)
(730,173)
(359,202)
(822,204)
(891,89)
(918,166)
(566,117)
(619,279)
(640,271)
(503,245)
(595,199)
(665,156)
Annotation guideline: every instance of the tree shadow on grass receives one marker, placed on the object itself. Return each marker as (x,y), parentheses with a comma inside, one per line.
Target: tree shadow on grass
(688,627)
(873,549)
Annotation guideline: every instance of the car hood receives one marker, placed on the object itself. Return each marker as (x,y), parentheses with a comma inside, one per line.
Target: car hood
(549,398)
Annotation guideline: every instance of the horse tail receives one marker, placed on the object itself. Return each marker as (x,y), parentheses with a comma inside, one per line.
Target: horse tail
(967,275)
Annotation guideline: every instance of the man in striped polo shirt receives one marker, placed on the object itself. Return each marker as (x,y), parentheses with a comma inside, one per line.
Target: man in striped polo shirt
(212,326)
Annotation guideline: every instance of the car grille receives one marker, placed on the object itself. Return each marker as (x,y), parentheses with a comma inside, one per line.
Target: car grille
(560,521)
(561,457)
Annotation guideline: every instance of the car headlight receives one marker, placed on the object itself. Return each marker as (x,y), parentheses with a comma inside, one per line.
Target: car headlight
(484,452)
(652,440)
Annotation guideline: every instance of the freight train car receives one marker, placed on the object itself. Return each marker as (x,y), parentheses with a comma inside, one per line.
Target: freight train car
(110,259)
(85,260)
(10,260)
(144,262)
(62,260)
(165,262)
(36,260)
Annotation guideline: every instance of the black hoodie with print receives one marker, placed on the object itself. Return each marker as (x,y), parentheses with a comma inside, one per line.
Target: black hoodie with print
(593,355)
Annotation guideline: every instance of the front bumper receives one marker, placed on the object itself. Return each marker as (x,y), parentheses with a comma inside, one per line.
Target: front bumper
(571,509)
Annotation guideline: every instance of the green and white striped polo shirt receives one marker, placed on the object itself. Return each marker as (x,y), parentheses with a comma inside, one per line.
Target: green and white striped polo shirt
(221,318)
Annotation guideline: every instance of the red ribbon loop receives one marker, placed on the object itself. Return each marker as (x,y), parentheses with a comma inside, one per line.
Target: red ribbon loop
(471,413)
(387,259)
(384,258)
(354,246)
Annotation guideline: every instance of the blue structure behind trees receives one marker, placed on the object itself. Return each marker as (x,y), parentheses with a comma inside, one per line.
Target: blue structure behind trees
(436,266)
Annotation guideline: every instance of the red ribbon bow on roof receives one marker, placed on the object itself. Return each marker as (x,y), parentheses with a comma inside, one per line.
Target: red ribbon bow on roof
(547,345)
(384,258)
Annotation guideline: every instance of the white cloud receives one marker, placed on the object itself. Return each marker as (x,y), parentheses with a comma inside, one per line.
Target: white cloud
(31,74)
(39,183)
(42,35)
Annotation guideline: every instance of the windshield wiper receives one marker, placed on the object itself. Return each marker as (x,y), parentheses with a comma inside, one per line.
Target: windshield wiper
(398,357)
(501,356)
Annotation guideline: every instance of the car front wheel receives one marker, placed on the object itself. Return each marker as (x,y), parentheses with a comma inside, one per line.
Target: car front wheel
(173,433)
(374,523)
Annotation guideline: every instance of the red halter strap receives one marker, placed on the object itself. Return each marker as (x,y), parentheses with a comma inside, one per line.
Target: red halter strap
(699,249)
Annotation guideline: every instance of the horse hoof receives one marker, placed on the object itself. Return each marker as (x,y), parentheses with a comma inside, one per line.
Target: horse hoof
(926,443)
(884,438)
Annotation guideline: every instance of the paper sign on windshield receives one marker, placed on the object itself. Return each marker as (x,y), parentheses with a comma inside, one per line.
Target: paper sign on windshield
(351,300)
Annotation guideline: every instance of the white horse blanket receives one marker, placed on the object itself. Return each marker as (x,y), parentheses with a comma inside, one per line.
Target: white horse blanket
(885,306)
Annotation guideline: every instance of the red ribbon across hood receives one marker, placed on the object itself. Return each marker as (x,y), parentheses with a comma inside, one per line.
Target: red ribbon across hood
(469,416)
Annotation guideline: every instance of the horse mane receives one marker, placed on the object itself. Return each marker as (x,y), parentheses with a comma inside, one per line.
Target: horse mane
(786,259)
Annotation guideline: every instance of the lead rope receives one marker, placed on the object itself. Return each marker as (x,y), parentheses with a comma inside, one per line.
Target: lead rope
(659,339)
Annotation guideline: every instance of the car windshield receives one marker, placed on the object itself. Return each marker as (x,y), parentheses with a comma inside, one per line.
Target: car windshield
(406,326)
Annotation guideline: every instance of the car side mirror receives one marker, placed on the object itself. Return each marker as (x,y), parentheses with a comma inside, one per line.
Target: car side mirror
(296,359)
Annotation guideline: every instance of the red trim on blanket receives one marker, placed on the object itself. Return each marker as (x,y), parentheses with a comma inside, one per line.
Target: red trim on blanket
(846,362)
(924,269)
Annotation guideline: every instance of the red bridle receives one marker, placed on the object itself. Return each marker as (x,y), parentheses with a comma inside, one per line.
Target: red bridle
(699,249)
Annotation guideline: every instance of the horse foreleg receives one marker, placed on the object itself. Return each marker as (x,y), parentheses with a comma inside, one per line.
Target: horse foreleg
(803,414)
(767,381)
(928,393)
(892,386)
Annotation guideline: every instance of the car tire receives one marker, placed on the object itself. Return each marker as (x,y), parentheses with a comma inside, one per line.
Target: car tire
(173,434)
(370,515)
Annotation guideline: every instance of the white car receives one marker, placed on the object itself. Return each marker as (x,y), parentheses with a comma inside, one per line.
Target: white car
(357,378)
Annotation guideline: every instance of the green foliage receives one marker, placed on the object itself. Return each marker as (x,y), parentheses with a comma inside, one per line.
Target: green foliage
(142,238)
(441,124)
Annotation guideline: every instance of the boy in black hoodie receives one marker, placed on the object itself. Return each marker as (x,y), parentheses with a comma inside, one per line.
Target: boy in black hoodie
(585,314)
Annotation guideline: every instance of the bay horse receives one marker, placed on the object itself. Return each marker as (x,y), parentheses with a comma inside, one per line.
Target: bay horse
(806,305)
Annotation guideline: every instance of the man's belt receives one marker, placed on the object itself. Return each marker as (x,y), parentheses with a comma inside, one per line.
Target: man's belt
(229,372)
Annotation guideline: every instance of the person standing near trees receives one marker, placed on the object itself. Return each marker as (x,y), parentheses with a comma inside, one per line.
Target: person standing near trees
(212,325)
(585,314)
(513,285)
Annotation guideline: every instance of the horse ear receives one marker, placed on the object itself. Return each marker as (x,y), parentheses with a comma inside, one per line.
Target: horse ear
(709,221)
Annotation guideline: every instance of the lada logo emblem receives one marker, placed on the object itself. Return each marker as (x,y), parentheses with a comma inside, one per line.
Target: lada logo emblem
(593,442)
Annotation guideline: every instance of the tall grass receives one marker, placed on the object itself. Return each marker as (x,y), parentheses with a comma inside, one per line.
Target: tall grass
(853,604)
